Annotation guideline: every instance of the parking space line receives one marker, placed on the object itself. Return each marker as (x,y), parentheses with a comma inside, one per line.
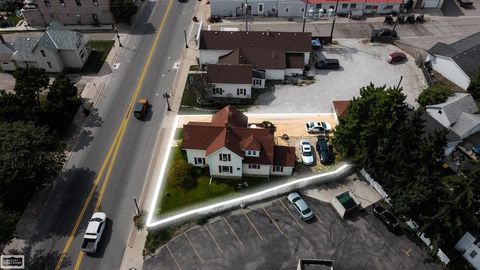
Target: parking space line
(174,259)
(236,236)
(275,223)
(294,218)
(221,251)
(251,223)
(194,249)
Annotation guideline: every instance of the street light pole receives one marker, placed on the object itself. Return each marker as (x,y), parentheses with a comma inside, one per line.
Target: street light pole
(398,16)
(333,23)
(304,16)
(185,35)
(167,96)
(136,205)
(115,28)
(246,15)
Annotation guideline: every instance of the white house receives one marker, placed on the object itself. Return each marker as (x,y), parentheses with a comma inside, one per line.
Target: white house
(469,246)
(275,54)
(56,49)
(231,149)
(458,61)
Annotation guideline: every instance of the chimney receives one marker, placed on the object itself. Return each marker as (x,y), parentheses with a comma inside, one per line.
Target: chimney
(1,39)
(273,53)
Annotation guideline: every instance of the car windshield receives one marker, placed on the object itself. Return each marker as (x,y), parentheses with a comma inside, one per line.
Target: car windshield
(323,124)
(307,153)
(390,217)
(97,219)
(306,211)
(296,199)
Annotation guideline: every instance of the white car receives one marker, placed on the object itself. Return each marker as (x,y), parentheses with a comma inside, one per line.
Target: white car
(306,152)
(94,232)
(317,127)
(300,205)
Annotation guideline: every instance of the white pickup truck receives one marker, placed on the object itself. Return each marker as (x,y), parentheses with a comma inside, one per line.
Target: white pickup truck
(95,228)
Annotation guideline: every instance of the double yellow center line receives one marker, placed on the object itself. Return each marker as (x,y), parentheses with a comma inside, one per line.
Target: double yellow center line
(113,150)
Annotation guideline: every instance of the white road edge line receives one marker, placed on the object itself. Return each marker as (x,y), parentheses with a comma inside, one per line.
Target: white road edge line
(215,241)
(228,224)
(271,218)
(251,223)
(194,249)
(174,259)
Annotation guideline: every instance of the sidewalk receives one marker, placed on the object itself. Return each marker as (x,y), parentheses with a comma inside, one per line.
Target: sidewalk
(23,27)
(133,257)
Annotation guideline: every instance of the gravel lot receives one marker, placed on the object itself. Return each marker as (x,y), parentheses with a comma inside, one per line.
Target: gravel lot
(361,63)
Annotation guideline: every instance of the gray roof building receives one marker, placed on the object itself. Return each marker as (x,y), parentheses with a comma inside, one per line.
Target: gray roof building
(467,124)
(451,109)
(23,48)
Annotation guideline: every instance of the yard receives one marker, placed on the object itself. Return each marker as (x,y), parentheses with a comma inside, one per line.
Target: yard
(100,51)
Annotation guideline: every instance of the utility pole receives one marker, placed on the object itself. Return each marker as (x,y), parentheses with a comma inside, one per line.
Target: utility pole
(246,15)
(115,28)
(136,205)
(333,23)
(167,96)
(185,35)
(304,16)
(398,86)
(402,5)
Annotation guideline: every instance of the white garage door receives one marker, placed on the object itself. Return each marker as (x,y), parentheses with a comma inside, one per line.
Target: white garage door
(431,3)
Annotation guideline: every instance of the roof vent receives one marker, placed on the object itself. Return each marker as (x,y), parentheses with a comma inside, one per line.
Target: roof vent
(247,33)
(216,32)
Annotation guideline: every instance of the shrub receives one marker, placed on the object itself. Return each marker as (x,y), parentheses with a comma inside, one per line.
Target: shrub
(181,174)
(435,94)
(155,240)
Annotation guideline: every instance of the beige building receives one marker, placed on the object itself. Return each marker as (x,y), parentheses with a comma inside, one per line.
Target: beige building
(68,12)
(56,49)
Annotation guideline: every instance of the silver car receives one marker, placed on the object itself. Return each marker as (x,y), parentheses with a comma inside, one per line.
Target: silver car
(306,152)
(317,127)
(300,205)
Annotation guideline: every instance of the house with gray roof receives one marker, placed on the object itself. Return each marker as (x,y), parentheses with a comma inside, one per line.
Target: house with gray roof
(459,115)
(458,61)
(56,49)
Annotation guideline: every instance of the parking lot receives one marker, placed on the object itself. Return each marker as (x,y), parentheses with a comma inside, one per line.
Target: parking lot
(271,236)
(361,63)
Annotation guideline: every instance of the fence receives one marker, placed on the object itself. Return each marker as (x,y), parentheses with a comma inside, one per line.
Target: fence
(374,184)
(223,206)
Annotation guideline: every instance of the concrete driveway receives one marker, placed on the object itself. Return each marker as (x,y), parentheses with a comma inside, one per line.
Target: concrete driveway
(361,63)
(271,236)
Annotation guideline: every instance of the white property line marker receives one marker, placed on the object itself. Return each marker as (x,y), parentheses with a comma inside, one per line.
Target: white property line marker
(175,260)
(228,224)
(272,220)
(251,223)
(194,249)
(221,251)
(294,218)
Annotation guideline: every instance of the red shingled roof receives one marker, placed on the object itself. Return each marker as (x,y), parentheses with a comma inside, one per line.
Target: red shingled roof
(284,156)
(341,107)
(227,73)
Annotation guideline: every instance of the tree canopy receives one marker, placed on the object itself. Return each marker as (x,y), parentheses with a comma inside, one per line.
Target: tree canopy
(435,94)
(123,10)
(474,88)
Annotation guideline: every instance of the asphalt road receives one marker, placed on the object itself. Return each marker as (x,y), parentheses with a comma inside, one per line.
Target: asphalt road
(129,171)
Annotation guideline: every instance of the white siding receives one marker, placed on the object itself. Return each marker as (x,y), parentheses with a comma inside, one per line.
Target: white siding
(7,66)
(193,153)
(306,58)
(291,8)
(226,8)
(211,56)
(263,171)
(275,74)
(450,70)
(52,57)
(471,252)
(214,161)
(286,171)
(292,71)
(261,85)
(230,90)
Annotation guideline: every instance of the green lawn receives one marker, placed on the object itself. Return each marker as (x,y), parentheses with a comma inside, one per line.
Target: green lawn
(13,19)
(100,51)
(178,134)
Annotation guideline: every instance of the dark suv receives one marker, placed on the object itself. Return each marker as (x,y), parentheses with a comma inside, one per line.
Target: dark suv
(328,63)
(323,150)
(384,32)
(387,218)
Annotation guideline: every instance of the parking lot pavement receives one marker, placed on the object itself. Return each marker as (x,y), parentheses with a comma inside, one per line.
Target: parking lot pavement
(270,235)
(361,63)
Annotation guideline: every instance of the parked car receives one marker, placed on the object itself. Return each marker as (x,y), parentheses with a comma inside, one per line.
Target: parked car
(94,232)
(300,205)
(386,217)
(465,3)
(396,57)
(384,32)
(323,150)
(317,127)
(328,63)
(306,152)
(140,108)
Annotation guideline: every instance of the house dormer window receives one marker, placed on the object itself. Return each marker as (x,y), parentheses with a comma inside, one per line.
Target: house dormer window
(252,153)
(225,157)
(43,53)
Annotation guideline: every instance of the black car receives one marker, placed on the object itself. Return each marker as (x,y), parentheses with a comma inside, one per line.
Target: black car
(384,32)
(328,63)
(386,217)
(323,150)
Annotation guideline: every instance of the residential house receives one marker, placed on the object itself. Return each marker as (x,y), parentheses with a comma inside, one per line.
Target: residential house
(469,246)
(68,12)
(458,61)
(459,115)
(56,49)
(232,149)
(296,8)
(339,108)
(276,54)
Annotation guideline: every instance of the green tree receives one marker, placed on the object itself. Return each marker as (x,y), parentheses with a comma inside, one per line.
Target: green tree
(29,83)
(9,222)
(123,10)
(181,175)
(474,88)
(29,157)
(435,94)
(63,102)
(11,108)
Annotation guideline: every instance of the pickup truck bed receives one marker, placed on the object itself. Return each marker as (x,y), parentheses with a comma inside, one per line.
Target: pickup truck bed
(88,245)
